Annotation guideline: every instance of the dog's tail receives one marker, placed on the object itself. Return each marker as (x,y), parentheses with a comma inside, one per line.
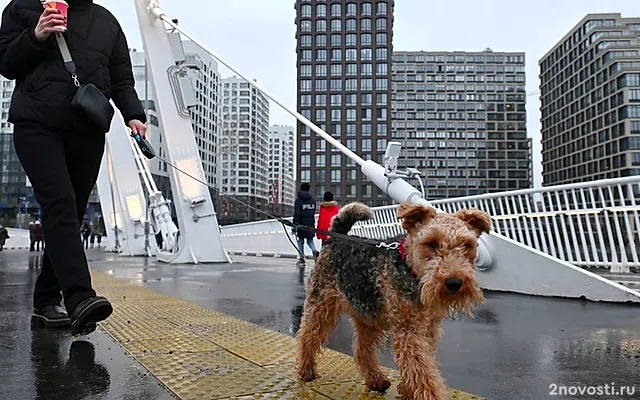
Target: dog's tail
(348,216)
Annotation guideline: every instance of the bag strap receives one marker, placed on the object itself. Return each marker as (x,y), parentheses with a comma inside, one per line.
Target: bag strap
(69,65)
(66,57)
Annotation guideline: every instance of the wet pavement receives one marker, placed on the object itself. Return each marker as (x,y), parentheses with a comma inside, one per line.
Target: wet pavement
(45,364)
(515,348)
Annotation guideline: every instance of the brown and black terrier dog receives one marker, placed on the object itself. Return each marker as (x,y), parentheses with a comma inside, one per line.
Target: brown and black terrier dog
(407,292)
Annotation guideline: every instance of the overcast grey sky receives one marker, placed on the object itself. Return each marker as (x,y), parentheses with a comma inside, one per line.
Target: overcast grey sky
(257,36)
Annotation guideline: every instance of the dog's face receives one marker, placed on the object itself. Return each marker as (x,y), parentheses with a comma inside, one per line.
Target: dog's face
(441,249)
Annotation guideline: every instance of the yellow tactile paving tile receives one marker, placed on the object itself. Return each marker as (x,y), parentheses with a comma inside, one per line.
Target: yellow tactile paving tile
(198,353)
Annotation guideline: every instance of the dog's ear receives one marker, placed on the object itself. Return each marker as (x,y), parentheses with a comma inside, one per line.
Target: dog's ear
(413,215)
(479,221)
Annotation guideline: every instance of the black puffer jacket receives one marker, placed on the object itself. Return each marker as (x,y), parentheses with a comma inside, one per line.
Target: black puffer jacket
(44,88)
(304,213)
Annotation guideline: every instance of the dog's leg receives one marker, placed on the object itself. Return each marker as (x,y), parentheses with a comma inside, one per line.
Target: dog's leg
(420,378)
(321,312)
(368,339)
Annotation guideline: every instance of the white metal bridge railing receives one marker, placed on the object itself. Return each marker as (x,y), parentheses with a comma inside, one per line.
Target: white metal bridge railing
(592,224)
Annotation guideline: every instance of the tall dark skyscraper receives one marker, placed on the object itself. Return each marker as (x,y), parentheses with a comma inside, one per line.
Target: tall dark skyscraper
(344,51)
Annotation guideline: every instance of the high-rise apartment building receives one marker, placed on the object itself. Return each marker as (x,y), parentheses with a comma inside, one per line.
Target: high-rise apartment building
(16,196)
(590,101)
(461,119)
(344,86)
(244,151)
(281,170)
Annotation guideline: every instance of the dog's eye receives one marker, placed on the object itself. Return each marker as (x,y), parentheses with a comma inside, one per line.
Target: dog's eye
(432,245)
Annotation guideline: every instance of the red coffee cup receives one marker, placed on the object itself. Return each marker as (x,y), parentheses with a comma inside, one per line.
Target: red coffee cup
(59,5)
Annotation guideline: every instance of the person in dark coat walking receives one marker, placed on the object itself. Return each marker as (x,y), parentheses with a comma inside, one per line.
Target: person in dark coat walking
(60,147)
(304,213)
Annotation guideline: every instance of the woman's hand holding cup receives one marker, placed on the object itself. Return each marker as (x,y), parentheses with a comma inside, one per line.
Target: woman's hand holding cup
(52,20)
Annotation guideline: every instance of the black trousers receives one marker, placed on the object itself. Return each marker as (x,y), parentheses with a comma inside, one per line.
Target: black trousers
(63,169)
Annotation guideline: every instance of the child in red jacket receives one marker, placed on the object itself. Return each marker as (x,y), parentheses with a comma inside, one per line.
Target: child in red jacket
(328,209)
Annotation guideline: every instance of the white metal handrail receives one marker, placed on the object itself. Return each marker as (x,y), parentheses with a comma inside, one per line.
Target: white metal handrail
(593,224)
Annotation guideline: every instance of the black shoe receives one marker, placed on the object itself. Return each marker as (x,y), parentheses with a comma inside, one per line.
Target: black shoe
(87,313)
(315,255)
(50,317)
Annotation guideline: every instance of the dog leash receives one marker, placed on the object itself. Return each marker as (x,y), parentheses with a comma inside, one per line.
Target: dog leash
(370,242)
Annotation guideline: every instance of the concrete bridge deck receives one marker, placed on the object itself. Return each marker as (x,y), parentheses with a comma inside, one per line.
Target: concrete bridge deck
(226,332)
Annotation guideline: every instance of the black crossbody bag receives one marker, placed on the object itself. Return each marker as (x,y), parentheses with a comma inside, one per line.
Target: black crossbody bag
(88,98)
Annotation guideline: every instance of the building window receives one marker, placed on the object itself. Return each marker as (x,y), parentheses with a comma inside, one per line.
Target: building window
(351,39)
(321,70)
(336,85)
(351,24)
(305,70)
(335,174)
(351,70)
(351,85)
(305,40)
(336,55)
(305,175)
(381,54)
(321,40)
(365,39)
(381,84)
(305,160)
(365,24)
(366,99)
(365,144)
(336,10)
(336,69)
(321,25)
(335,115)
(321,100)
(320,160)
(305,85)
(351,114)
(367,8)
(351,54)
(381,39)
(321,85)
(336,25)
(336,39)
(366,84)
(381,24)
(381,69)
(336,160)
(367,69)
(321,55)
(305,11)
(306,55)
(321,115)
(336,100)
(381,8)
(305,100)
(321,10)
(365,54)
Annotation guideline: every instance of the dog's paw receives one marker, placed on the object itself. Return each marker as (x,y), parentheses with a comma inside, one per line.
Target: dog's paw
(307,375)
(379,385)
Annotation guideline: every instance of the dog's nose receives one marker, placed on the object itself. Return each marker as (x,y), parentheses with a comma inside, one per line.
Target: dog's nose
(453,284)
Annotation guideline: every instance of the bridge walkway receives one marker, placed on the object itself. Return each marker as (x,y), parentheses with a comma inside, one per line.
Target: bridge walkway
(227,332)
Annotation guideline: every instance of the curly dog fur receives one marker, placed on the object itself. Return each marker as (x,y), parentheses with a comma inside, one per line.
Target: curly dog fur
(404,293)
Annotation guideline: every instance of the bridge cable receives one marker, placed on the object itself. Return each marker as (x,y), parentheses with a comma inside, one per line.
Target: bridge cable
(285,223)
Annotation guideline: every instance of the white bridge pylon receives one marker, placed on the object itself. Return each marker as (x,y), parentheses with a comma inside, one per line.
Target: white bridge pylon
(503,263)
